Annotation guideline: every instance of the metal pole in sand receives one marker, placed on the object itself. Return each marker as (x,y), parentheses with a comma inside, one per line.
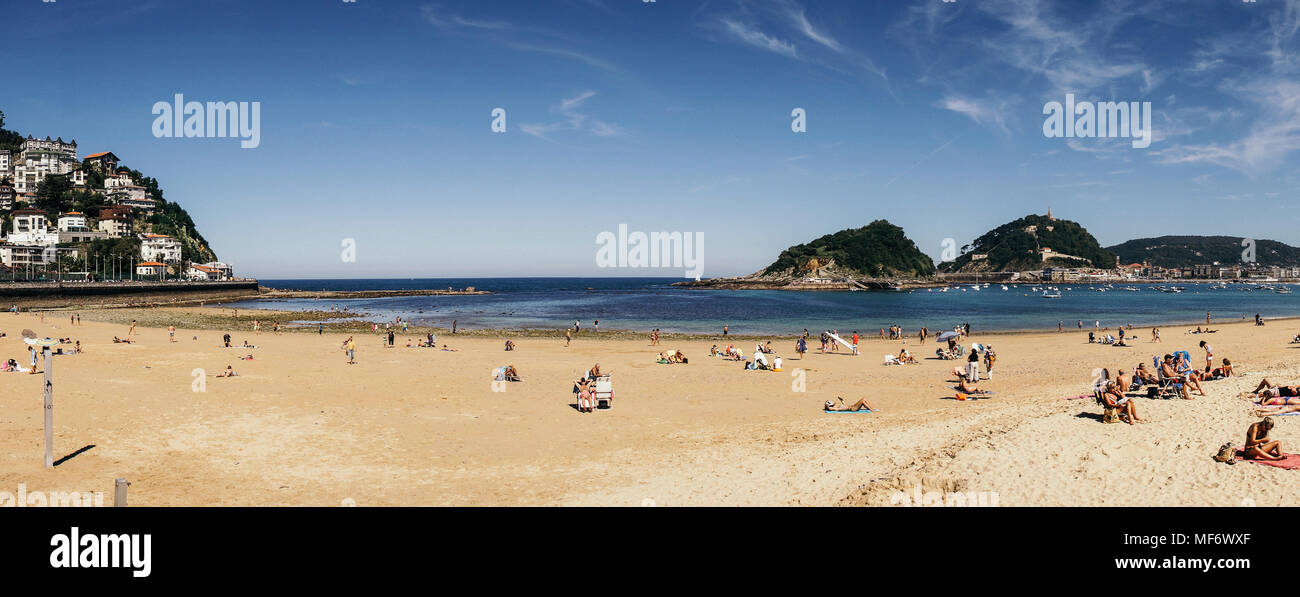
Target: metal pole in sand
(49,407)
(119,492)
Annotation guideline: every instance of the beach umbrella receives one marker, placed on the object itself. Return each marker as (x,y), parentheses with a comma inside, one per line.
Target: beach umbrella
(947,335)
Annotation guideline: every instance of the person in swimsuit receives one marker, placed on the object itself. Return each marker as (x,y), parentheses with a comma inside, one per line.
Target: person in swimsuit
(1114,396)
(860,405)
(1268,389)
(1258,445)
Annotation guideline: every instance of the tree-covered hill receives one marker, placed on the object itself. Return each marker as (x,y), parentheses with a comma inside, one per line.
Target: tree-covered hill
(1015,246)
(1187,251)
(879,249)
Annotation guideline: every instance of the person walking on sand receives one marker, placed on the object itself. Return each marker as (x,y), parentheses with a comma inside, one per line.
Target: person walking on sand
(257,327)
(171,333)
(568,337)
(1207,318)
(453,326)
(595,326)
(132,330)
(78,319)
(800,347)
(1060,326)
(320,329)
(1209,356)
(724,331)
(350,347)
(32,349)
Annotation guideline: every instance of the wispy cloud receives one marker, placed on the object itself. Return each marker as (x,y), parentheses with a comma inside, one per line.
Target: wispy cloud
(752,36)
(573,120)
(511,35)
(983,112)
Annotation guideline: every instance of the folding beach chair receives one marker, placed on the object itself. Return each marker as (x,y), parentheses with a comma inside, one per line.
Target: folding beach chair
(1169,387)
(892,360)
(604,394)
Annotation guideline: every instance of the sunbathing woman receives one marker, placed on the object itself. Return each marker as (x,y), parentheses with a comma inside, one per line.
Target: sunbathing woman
(1258,445)
(1115,398)
(860,405)
(1267,389)
(229,372)
(906,357)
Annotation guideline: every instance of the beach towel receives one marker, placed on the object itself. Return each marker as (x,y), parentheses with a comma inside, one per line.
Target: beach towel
(1291,462)
(863,412)
(988,393)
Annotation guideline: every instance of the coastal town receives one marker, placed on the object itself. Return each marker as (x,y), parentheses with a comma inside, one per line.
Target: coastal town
(36,244)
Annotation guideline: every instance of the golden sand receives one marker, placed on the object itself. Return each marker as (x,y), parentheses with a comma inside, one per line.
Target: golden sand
(412,426)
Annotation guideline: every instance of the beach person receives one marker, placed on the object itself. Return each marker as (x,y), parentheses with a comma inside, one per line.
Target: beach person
(1113,395)
(1258,445)
(585,402)
(966,386)
(226,339)
(453,326)
(1167,369)
(72,320)
(1080,324)
(1144,375)
(725,329)
(1060,326)
(78,319)
(1209,355)
(855,342)
(257,327)
(510,345)
(229,372)
(76,349)
(800,347)
(132,330)
(1155,334)
(595,326)
(924,332)
(990,357)
(594,372)
(568,337)
(171,333)
(320,329)
(390,338)
(973,366)
(860,405)
(1268,389)
(275,327)
(1207,318)
(1222,372)
(350,347)
(906,357)
(32,349)
(882,335)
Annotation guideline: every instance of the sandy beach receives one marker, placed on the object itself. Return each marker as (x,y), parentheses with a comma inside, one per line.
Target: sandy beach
(414,426)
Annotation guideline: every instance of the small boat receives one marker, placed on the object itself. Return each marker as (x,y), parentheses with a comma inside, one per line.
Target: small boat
(1056,294)
(1283,290)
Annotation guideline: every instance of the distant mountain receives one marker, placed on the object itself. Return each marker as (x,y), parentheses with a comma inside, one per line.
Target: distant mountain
(877,250)
(1031,243)
(1187,251)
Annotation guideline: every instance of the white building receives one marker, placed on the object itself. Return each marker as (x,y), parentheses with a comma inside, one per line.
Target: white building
(38,159)
(72,221)
(6,163)
(224,271)
(158,247)
(150,269)
(30,220)
(17,255)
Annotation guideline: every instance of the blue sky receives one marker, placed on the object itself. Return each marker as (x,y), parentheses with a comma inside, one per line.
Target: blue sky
(666,115)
